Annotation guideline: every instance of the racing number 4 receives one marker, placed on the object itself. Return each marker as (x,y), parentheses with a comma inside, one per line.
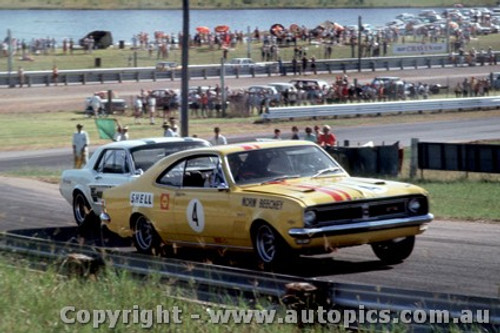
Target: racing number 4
(194,214)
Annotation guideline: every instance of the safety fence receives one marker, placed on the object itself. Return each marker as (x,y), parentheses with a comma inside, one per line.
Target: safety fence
(459,157)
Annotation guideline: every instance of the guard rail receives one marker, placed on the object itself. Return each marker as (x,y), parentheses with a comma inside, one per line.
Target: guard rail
(113,75)
(352,109)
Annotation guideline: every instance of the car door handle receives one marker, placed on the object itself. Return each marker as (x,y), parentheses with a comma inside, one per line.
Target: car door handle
(180,194)
(98,177)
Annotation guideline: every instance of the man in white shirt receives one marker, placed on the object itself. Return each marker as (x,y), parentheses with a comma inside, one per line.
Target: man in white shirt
(167,131)
(218,138)
(80,147)
(121,133)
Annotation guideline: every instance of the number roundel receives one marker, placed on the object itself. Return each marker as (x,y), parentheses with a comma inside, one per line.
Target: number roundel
(195,215)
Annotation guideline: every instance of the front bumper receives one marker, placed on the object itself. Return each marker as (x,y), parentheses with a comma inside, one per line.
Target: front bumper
(342,229)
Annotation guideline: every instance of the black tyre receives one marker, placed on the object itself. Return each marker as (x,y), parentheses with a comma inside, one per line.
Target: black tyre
(146,239)
(269,246)
(394,251)
(81,209)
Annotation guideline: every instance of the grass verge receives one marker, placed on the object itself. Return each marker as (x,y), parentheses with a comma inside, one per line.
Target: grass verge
(46,301)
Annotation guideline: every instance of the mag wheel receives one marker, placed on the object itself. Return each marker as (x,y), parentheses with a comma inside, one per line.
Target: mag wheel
(268,245)
(146,239)
(394,251)
(81,208)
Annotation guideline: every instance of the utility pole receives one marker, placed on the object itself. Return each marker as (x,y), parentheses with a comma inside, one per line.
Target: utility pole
(222,84)
(9,61)
(360,26)
(249,43)
(185,72)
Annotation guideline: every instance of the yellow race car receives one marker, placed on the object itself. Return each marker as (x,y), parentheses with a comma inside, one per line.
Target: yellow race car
(274,198)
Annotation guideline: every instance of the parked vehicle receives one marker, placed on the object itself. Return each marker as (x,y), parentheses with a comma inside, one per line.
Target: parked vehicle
(260,92)
(98,104)
(308,84)
(165,66)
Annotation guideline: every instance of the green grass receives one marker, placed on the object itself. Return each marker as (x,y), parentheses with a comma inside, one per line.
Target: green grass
(221,4)
(472,200)
(33,301)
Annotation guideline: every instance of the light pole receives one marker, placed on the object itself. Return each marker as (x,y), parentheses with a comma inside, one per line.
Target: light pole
(360,26)
(185,73)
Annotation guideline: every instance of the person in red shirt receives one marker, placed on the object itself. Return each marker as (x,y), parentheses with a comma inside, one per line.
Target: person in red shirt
(327,138)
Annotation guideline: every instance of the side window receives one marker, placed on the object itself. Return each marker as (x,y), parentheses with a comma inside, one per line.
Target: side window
(173,176)
(113,161)
(201,172)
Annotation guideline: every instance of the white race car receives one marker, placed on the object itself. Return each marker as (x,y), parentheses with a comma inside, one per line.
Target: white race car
(114,164)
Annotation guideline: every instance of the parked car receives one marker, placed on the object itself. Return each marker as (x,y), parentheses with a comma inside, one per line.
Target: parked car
(242,63)
(308,84)
(98,103)
(166,99)
(260,91)
(165,66)
(277,199)
(114,164)
(495,80)
(283,86)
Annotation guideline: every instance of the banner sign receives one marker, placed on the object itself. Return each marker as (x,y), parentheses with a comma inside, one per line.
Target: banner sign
(419,48)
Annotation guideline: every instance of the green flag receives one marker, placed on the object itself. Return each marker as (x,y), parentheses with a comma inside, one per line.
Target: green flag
(106,128)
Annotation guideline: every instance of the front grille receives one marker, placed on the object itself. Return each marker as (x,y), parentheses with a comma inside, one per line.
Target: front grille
(365,210)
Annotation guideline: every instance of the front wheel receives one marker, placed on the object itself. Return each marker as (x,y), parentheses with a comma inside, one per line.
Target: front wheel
(269,246)
(394,251)
(146,239)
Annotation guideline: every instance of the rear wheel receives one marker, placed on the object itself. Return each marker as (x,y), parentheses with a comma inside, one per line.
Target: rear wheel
(395,250)
(81,208)
(146,239)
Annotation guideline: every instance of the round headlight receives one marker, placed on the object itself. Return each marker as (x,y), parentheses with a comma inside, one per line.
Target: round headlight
(309,218)
(414,205)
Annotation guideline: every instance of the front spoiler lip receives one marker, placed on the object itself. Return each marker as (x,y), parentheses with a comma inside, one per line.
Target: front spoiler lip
(342,229)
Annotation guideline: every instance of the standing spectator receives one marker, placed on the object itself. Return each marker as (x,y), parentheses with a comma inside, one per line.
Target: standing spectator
(204,105)
(295,133)
(80,147)
(173,126)
(96,105)
(304,64)
(138,109)
(313,65)
(55,74)
(121,133)
(294,65)
(277,134)
(458,90)
(309,135)
(317,131)
(327,139)
(218,138)
(20,75)
(167,130)
(152,108)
